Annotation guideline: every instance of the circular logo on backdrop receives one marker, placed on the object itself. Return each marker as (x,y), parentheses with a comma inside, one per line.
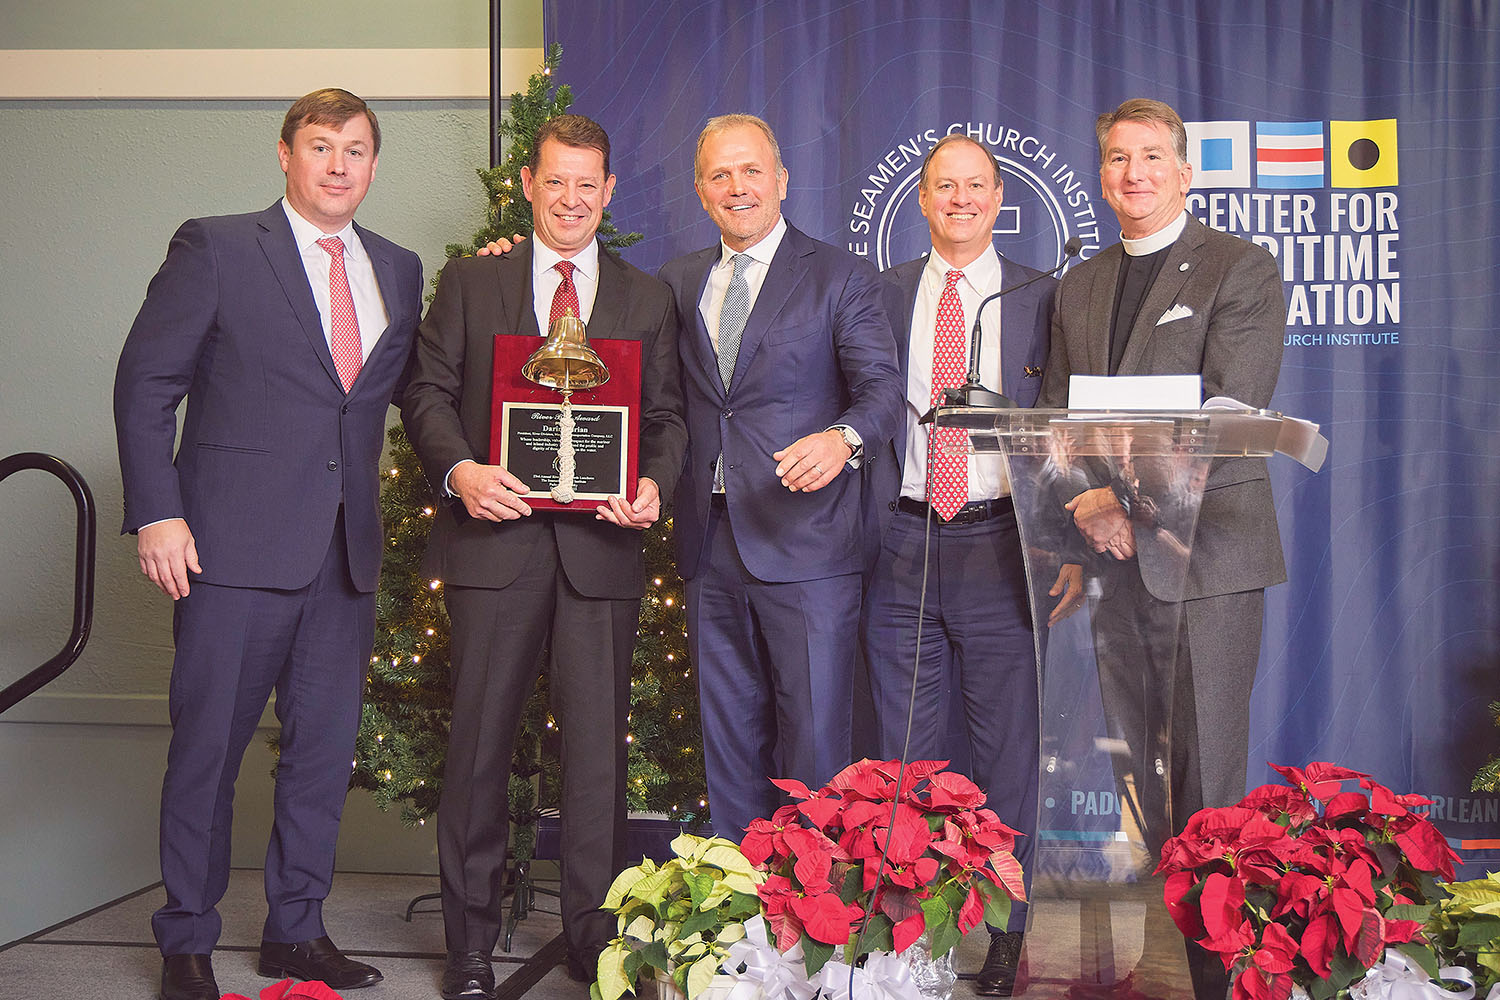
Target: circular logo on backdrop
(1046,200)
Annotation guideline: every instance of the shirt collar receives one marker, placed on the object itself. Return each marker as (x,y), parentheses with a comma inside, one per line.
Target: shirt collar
(306,235)
(544,258)
(761,252)
(1158,240)
(980,273)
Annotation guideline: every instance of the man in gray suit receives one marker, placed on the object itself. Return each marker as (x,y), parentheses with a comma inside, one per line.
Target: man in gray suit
(1175,297)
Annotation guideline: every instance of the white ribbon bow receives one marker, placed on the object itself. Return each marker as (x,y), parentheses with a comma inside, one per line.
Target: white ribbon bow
(761,972)
(884,976)
(1397,979)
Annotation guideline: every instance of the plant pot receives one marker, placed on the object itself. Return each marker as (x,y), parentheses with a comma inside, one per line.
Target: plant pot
(935,977)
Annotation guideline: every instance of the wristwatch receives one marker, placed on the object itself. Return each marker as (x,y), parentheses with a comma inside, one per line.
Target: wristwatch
(856,446)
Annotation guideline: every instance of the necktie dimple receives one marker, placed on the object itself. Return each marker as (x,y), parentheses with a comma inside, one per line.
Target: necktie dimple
(344,343)
(948,467)
(733,315)
(566,296)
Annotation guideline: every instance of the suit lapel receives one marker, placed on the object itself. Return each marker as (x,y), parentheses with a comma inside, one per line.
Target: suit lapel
(782,278)
(384,265)
(1102,303)
(513,281)
(281,252)
(609,297)
(1181,259)
(695,271)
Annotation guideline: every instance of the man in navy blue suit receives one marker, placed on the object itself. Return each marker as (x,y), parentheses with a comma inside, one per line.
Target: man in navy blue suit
(789,376)
(289,332)
(954,512)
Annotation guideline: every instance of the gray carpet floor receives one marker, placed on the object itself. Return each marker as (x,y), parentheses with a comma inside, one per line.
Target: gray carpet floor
(108,953)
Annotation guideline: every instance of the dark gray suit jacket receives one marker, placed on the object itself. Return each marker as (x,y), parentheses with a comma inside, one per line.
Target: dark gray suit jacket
(1234,340)
(446,411)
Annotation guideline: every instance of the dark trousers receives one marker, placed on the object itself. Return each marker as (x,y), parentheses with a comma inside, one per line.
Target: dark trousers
(234,646)
(498,638)
(977,647)
(775,668)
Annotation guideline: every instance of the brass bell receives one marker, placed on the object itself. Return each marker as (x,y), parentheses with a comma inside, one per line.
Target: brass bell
(566,362)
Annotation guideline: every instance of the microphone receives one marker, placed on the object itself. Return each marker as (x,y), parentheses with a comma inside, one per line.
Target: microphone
(971,393)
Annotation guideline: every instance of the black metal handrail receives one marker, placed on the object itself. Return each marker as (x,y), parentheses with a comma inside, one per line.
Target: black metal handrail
(83,573)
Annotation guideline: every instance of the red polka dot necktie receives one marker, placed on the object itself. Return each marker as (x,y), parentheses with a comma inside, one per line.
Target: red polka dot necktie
(344,343)
(948,467)
(566,296)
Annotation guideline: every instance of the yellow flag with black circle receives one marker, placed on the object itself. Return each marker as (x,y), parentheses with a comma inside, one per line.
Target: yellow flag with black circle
(1362,154)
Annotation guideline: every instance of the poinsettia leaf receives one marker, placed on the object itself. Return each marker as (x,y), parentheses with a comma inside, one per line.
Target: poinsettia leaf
(698,922)
(1345,970)
(851,883)
(905,933)
(1318,944)
(610,974)
(815,954)
(821,811)
(877,935)
(793,787)
(1420,912)
(996,905)
(1479,933)
(1322,989)
(1009,869)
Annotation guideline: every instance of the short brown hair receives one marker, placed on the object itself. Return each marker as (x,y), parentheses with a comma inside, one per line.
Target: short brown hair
(571,130)
(949,140)
(330,106)
(723,123)
(1143,109)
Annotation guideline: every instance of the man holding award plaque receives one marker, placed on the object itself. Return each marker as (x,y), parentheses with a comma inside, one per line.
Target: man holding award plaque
(522,573)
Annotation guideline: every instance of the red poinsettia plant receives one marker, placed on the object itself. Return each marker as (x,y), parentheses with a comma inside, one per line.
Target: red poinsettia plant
(914,846)
(1292,885)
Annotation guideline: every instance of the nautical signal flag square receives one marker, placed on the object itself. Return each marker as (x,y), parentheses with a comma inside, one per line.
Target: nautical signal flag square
(1289,154)
(1362,154)
(1219,153)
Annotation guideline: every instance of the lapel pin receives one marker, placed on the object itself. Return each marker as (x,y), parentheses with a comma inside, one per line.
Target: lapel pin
(1031,371)
(1183,266)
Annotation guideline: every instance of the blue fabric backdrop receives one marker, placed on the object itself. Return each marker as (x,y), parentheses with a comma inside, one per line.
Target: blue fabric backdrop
(1381,651)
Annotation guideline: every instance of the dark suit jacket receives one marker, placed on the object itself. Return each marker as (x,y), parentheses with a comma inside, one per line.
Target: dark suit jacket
(447,415)
(1234,339)
(1025,323)
(817,351)
(271,444)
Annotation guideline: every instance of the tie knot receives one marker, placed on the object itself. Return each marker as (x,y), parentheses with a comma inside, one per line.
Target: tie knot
(954,277)
(565,268)
(333,245)
(740,261)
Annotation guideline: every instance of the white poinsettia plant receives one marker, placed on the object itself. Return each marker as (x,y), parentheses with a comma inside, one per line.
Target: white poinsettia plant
(679,918)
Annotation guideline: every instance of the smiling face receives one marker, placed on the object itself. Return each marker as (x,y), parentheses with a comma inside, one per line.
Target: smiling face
(961,198)
(1143,180)
(568,193)
(328,170)
(740,185)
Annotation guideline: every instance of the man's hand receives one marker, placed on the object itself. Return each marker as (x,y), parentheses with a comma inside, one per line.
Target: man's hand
(500,246)
(1102,522)
(488,491)
(167,551)
(1070,586)
(638,515)
(811,463)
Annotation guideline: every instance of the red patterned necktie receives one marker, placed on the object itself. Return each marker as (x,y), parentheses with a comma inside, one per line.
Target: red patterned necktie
(566,296)
(948,466)
(348,354)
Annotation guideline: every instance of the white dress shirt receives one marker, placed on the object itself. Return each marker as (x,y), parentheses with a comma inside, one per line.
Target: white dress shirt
(982,277)
(545,278)
(712,302)
(369,307)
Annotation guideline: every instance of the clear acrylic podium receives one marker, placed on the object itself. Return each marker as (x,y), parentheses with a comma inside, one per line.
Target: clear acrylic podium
(1098,924)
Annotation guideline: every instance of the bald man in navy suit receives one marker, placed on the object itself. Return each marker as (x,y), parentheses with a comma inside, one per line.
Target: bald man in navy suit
(289,332)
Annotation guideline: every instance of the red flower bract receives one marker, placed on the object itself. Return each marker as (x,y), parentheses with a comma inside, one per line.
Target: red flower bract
(1291,886)
(928,840)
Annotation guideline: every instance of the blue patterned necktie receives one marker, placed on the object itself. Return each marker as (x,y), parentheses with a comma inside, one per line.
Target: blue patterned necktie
(732,317)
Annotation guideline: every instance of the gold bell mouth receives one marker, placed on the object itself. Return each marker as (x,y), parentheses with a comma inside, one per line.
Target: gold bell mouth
(566,362)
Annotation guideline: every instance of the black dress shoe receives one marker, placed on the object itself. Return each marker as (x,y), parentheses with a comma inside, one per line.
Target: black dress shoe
(188,977)
(998,977)
(469,976)
(318,959)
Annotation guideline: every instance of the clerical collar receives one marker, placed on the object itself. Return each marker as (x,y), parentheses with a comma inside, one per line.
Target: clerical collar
(1159,240)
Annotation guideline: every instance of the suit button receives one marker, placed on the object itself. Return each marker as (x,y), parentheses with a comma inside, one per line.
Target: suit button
(892,505)
(333,466)
(726,413)
(345,408)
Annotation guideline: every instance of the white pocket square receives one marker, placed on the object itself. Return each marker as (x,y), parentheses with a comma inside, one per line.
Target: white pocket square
(1175,313)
